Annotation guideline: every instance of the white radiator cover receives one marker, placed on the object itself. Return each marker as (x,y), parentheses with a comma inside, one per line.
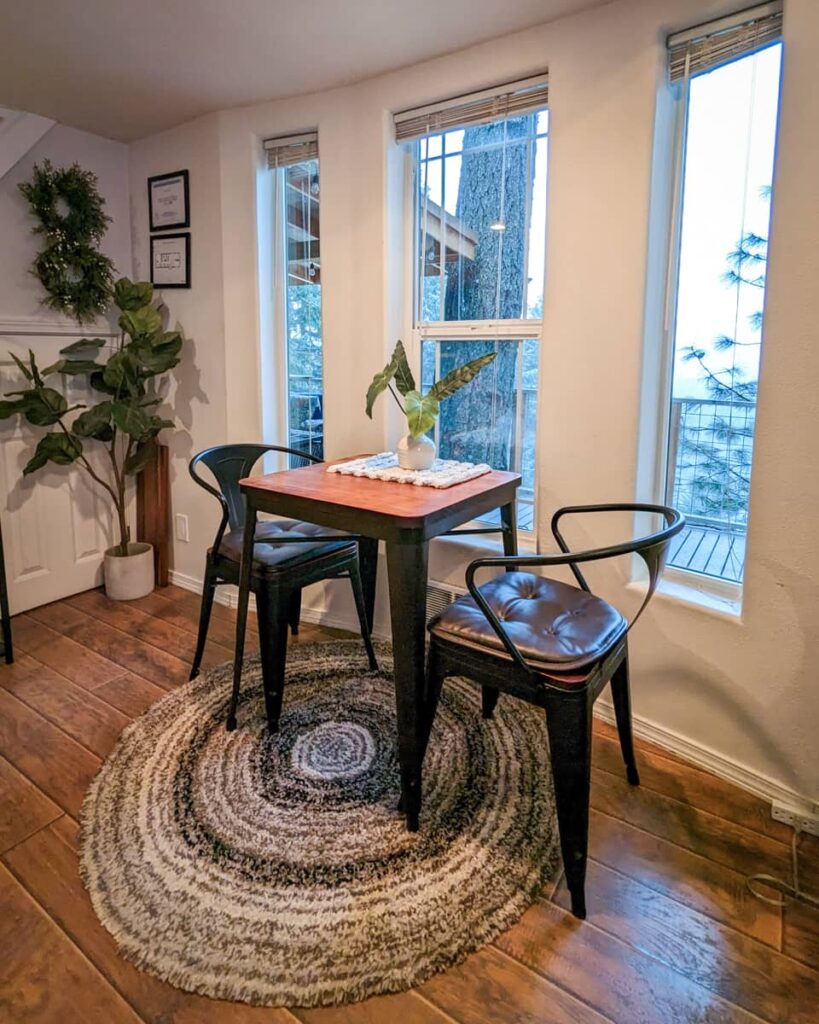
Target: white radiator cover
(440,596)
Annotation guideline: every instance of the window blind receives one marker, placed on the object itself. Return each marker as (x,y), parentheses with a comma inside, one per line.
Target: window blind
(514,98)
(291,149)
(705,47)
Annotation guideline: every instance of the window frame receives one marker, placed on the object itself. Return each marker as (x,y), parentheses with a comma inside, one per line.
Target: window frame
(679,580)
(418,331)
(278,416)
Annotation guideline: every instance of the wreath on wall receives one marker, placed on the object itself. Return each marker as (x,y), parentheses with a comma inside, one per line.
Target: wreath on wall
(70,210)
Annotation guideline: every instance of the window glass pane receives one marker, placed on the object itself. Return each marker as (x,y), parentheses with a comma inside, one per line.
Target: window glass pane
(729,153)
(454,141)
(303,308)
(537,236)
(492,419)
(492,226)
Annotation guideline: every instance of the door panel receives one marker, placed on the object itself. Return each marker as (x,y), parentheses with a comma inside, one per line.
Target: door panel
(57,522)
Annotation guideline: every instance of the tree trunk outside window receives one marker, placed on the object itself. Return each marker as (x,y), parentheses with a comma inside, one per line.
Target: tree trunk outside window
(478,423)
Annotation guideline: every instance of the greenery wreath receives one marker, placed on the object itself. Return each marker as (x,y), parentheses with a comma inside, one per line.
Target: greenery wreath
(77,276)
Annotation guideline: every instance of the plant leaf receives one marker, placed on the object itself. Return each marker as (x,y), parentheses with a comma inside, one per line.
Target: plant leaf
(63,449)
(404,380)
(94,422)
(138,459)
(35,373)
(130,295)
(43,406)
(72,367)
(142,322)
(421,412)
(85,348)
(131,420)
(157,356)
(10,408)
(120,372)
(21,366)
(380,382)
(455,379)
(97,381)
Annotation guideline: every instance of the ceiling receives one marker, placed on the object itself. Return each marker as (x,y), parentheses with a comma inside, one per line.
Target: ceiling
(128,68)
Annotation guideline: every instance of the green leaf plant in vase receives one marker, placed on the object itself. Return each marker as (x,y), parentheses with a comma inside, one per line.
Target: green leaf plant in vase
(124,423)
(416,450)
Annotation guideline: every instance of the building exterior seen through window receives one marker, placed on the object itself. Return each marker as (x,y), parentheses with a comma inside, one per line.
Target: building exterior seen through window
(305,413)
(480,229)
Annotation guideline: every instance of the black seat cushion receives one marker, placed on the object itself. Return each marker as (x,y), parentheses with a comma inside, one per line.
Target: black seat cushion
(554,625)
(276,557)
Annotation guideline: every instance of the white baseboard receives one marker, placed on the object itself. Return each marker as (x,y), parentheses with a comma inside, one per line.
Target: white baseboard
(694,753)
(700,756)
(316,614)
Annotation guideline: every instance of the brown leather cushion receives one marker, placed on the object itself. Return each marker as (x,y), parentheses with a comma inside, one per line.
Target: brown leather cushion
(554,625)
(269,556)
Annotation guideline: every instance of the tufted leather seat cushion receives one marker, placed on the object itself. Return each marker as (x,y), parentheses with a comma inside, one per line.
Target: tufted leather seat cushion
(554,625)
(268,556)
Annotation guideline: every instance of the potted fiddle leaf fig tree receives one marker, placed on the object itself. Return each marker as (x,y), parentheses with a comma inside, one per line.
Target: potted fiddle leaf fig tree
(124,422)
(416,450)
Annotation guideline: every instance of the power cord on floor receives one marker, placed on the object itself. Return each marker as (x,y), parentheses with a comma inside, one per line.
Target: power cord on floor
(785,891)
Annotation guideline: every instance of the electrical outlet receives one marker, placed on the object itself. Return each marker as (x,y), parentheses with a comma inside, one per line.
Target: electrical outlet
(181,527)
(804,821)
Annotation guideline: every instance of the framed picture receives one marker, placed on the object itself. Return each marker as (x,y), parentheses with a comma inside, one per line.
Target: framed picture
(171,260)
(168,201)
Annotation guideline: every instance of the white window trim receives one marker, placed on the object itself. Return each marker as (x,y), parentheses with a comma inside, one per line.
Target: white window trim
(273,268)
(685,585)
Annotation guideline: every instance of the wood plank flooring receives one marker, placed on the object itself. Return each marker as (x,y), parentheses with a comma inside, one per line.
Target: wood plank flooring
(672,934)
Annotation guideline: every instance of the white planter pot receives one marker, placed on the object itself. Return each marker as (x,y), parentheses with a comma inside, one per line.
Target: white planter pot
(415,452)
(130,576)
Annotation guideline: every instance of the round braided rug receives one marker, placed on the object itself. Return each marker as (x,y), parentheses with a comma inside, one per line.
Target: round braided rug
(277,870)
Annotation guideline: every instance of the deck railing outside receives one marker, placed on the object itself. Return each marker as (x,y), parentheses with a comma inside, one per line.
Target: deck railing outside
(709,467)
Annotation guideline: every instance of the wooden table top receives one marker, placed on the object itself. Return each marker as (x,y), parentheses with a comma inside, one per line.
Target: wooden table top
(405,505)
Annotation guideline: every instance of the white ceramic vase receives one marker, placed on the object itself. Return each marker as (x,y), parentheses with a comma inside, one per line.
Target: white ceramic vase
(130,576)
(415,452)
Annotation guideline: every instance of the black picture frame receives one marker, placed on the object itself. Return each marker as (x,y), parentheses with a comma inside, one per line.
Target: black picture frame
(158,239)
(158,179)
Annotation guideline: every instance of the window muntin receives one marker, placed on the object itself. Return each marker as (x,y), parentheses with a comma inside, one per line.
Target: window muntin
(727,157)
(480,229)
(302,305)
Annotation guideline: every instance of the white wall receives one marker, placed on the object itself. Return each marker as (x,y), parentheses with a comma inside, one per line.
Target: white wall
(741,688)
(20,292)
(197,393)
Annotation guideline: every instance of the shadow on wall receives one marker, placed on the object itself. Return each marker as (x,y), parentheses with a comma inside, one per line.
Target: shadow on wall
(188,392)
(688,676)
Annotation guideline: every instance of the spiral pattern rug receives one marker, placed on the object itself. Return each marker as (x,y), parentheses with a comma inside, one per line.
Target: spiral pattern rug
(277,870)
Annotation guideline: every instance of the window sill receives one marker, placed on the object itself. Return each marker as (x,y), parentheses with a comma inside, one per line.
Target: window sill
(490,543)
(714,597)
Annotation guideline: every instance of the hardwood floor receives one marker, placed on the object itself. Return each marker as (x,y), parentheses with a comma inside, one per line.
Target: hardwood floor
(672,934)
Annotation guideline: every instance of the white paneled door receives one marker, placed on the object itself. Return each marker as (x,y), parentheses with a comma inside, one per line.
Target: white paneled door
(56,522)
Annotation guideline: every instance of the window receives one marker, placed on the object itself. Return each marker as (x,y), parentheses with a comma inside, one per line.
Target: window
(726,77)
(297,267)
(479,211)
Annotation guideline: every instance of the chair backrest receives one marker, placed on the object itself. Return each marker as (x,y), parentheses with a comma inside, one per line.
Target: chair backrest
(231,463)
(653,549)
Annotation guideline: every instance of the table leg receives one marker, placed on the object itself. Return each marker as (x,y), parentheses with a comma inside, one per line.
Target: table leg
(407,569)
(509,525)
(368,564)
(241,614)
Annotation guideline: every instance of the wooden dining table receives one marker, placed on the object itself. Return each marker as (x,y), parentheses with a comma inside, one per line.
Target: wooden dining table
(406,517)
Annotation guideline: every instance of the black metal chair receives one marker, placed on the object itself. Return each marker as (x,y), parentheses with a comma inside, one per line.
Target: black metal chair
(288,555)
(555,646)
